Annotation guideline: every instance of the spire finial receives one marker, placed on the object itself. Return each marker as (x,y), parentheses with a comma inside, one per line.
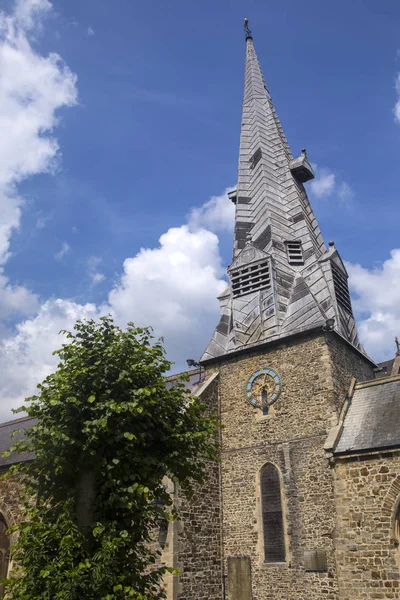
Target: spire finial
(247,31)
(396,341)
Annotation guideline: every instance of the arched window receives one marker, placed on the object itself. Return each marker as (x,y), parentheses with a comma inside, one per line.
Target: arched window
(272,517)
(4,551)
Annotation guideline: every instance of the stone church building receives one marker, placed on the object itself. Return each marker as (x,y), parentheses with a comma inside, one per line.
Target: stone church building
(305,501)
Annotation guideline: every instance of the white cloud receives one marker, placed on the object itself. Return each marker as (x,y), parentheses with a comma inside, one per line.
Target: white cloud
(173,288)
(326,184)
(377,304)
(92,270)
(42,220)
(16,299)
(28,12)
(396,108)
(218,214)
(65,248)
(344,191)
(97,277)
(26,357)
(32,89)
(90,31)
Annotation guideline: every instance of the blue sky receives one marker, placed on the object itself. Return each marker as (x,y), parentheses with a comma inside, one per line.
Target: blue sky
(144,105)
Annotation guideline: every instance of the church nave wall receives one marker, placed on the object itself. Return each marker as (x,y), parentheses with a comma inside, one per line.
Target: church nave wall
(367,495)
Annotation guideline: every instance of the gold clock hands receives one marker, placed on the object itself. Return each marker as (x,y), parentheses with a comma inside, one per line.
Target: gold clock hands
(258,387)
(261,387)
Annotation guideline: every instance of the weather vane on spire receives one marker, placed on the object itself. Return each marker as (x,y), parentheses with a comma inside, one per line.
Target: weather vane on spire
(247,31)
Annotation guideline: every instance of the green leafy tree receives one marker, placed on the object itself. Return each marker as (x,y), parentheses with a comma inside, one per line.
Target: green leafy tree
(109,430)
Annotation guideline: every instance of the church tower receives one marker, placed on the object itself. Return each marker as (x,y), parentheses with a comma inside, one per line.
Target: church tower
(283,353)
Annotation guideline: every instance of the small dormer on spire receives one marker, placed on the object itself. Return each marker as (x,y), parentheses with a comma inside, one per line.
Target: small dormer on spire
(247,31)
(301,168)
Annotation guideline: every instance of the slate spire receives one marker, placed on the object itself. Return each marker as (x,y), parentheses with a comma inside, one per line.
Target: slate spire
(269,198)
(282,278)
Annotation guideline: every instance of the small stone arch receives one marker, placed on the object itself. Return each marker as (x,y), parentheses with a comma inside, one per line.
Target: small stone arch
(6,542)
(391,500)
(395,529)
(391,514)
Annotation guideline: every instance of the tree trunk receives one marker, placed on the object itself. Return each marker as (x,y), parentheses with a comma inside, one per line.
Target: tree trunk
(85,499)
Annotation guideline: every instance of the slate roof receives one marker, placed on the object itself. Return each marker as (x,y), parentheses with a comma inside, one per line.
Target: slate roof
(6,429)
(386,367)
(372,421)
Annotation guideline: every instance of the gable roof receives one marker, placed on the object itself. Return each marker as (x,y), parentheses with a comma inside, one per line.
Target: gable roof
(198,382)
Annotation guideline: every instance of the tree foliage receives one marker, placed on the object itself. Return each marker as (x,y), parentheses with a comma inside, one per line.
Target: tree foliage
(109,430)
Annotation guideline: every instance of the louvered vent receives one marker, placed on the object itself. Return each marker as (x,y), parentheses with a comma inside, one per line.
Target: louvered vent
(274,539)
(255,158)
(341,288)
(250,278)
(295,253)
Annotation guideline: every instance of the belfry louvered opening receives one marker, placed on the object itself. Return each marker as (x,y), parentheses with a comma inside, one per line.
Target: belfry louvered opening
(250,278)
(295,253)
(341,288)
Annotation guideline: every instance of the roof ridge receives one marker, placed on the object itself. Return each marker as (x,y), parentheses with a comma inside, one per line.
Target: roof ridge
(188,372)
(379,381)
(20,420)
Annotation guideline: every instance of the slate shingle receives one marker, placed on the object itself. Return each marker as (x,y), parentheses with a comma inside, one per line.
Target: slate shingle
(372,421)
(6,429)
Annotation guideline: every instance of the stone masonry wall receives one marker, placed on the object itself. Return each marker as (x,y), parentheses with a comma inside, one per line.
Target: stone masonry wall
(10,499)
(346,363)
(292,437)
(10,504)
(367,494)
(198,539)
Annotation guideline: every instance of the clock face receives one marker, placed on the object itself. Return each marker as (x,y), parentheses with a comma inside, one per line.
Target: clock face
(263,389)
